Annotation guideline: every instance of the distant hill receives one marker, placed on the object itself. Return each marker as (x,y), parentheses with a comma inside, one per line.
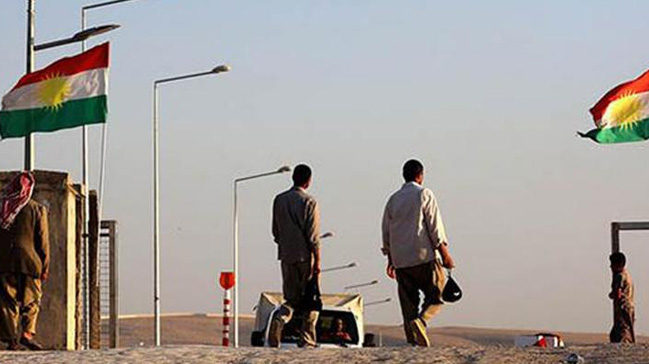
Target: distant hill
(203,329)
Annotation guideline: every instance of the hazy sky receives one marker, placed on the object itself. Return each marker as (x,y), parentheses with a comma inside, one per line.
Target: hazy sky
(488,95)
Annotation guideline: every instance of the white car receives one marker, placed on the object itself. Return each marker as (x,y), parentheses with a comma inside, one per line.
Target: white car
(340,323)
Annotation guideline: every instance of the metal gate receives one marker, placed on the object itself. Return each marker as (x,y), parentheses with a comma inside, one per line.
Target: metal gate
(108,283)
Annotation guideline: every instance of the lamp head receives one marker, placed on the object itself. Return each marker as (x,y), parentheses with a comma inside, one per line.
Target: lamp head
(283,169)
(327,235)
(221,68)
(91,32)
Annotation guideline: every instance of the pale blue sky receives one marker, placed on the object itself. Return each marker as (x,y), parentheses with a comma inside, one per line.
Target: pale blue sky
(488,95)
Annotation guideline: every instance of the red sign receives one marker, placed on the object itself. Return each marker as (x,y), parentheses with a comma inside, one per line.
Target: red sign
(227,280)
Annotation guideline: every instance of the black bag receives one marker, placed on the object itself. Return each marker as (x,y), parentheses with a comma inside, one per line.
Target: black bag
(452,291)
(312,300)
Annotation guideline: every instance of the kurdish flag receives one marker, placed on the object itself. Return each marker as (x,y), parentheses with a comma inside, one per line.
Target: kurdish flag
(622,114)
(68,93)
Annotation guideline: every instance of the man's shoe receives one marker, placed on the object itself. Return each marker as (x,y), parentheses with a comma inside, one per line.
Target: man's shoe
(30,344)
(418,329)
(14,346)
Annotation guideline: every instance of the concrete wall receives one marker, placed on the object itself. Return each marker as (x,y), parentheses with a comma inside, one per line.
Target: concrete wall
(57,320)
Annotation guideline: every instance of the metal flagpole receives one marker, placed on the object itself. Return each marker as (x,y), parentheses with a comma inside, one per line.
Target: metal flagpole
(235,253)
(156,219)
(86,218)
(29,139)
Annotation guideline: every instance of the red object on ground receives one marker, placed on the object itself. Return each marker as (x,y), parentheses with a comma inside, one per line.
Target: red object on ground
(541,342)
(227,280)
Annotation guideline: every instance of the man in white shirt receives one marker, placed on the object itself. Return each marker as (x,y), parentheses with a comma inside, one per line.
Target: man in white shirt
(413,232)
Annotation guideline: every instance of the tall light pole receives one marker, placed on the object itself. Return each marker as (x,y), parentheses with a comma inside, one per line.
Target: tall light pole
(32,48)
(235,250)
(80,36)
(156,192)
(104,130)
(85,185)
(29,139)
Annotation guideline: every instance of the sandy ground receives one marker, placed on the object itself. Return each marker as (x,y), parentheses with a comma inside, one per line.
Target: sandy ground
(444,355)
(195,338)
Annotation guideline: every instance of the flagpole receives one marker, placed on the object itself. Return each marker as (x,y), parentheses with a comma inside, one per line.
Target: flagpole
(86,218)
(29,139)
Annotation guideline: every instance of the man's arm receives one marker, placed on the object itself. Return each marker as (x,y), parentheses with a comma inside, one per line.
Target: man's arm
(275,224)
(447,259)
(313,234)
(385,232)
(616,287)
(435,228)
(316,269)
(385,249)
(42,241)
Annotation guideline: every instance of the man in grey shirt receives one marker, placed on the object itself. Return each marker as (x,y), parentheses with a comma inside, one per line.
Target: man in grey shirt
(296,231)
(413,233)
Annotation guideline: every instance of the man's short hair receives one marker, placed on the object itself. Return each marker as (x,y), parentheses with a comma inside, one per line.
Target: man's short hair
(301,174)
(412,169)
(618,258)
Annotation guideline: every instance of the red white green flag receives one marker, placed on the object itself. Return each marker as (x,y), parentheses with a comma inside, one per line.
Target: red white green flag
(622,114)
(68,93)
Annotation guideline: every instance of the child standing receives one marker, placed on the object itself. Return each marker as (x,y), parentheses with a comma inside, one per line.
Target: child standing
(622,296)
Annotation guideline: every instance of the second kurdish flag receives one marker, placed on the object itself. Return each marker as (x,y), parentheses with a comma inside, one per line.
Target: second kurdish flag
(68,93)
(622,114)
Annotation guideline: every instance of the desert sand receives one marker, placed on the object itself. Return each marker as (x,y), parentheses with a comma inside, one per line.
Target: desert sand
(196,338)
(200,354)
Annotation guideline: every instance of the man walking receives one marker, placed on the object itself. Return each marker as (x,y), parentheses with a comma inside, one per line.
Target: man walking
(24,262)
(296,232)
(413,233)
(623,303)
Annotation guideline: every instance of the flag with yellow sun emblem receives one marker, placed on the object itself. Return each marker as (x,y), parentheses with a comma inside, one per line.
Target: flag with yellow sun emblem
(68,93)
(622,115)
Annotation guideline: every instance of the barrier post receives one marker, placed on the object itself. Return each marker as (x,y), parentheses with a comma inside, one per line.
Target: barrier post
(227,282)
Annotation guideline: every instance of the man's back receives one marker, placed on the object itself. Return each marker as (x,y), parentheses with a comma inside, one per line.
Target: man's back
(412,226)
(624,283)
(295,225)
(24,247)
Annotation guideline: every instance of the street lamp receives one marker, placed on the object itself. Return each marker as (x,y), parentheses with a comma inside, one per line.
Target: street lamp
(77,37)
(235,233)
(361,285)
(341,267)
(373,303)
(84,135)
(328,234)
(31,48)
(156,191)
(82,36)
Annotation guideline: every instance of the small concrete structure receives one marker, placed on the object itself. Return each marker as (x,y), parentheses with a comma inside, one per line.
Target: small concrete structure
(58,319)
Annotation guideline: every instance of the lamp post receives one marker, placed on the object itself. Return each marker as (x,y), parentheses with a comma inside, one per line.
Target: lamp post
(84,135)
(84,171)
(80,36)
(235,250)
(340,267)
(32,48)
(156,191)
(361,285)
